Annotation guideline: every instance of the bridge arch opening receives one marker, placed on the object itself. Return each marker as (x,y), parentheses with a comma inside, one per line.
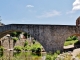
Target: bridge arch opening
(30,38)
(72,42)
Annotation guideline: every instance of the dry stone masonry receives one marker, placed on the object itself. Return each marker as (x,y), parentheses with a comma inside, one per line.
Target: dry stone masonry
(51,37)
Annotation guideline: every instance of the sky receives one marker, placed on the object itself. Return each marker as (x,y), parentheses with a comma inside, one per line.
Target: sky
(56,12)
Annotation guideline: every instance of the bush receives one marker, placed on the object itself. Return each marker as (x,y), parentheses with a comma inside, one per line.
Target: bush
(27,48)
(25,44)
(77,43)
(72,38)
(33,41)
(33,49)
(15,39)
(48,57)
(15,34)
(51,56)
(25,34)
(17,54)
(68,39)
(55,55)
(70,42)
(1,49)
(36,48)
(18,48)
(58,52)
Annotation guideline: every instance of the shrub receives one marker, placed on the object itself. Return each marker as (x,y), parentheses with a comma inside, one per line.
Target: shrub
(33,41)
(58,52)
(55,55)
(1,49)
(18,48)
(15,39)
(1,54)
(36,49)
(25,34)
(33,49)
(15,34)
(68,39)
(51,56)
(70,42)
(77,43)
(72,38)
(27,48)
(25,44)
(48,57)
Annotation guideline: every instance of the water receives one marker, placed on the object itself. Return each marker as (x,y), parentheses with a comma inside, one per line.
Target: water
(10,55)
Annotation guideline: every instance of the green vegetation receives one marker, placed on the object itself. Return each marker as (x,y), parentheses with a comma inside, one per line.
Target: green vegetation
(51,56)
(26,43)
(33,41)
(1,49)
(36,47)
(70,40)
(15,34)
(15,39)
(77,43)
(26,35)
(18,48)
(27,48)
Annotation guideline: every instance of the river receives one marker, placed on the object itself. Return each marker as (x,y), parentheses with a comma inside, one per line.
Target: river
(10,55)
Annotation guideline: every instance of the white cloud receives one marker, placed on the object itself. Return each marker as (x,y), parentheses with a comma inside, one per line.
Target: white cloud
(29,6)
(49,14)
(70,12)
(76,5)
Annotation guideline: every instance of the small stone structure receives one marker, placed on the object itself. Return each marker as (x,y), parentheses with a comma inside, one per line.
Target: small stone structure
(78,21)
(51,37)
(7,42)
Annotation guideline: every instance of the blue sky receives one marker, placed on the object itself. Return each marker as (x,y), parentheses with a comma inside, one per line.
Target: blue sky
(63,12)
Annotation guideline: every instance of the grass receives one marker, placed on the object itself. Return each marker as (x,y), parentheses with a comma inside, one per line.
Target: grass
(51,56)
(70,42)
(18,48)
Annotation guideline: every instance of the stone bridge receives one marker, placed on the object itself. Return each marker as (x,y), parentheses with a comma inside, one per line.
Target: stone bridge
(51,37)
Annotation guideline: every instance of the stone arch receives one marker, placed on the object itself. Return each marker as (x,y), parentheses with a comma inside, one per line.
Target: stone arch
(30,29)
(78,35)
(51,37)
(72,46)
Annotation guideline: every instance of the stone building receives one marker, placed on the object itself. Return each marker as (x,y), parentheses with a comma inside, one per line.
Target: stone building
(78,21)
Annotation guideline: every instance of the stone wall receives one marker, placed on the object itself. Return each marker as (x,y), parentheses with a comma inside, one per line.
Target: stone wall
(7,42)
(20,42)
(51,37)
